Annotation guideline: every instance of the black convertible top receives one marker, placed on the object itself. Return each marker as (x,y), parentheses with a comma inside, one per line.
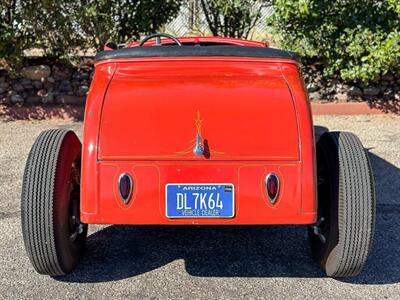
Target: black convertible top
(186,50)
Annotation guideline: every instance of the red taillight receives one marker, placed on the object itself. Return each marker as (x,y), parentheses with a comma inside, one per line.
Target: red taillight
(272,187)
(125,185)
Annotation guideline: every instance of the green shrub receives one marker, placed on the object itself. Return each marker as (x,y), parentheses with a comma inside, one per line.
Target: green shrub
(10,41)
(232,18)
(103,20)
(358,40)
(63,27)
(50,25)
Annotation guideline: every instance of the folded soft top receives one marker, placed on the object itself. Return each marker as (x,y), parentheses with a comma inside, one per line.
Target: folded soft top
(173,51)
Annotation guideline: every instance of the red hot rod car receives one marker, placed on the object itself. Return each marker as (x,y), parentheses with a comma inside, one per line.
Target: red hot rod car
(203,131)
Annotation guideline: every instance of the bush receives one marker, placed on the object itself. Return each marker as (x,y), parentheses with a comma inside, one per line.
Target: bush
(357,40)
(62,27)
(50,25)
(232,18)
(103,20)
(10,42)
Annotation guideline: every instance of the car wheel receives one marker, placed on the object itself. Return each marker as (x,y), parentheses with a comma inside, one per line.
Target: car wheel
(341,238)
(53,235)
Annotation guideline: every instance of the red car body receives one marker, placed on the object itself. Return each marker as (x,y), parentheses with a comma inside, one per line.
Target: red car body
(252,113)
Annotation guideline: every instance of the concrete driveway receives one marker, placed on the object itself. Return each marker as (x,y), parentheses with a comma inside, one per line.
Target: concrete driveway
(204,262)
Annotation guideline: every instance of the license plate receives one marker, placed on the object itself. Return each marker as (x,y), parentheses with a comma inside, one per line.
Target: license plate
(200,200)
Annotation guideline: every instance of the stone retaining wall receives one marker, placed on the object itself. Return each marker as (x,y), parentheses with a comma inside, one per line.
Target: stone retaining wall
(44,84)
(387,88)
(59,84)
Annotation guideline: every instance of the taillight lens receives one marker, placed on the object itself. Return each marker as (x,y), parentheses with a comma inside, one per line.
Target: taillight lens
(272,187)
(125,185)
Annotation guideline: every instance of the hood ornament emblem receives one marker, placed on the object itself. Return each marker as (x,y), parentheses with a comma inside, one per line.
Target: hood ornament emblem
(198,148)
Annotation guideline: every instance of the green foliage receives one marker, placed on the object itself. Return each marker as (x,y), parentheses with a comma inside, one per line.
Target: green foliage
(10,42)
(232,18)
(103,20)
(63,27)
(358,40)
(50,25)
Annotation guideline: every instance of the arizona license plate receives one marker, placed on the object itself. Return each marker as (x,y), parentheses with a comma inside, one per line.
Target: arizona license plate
(196,200)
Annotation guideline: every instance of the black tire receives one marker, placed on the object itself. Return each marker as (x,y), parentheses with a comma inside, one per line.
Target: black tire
(53,235)
(346,202)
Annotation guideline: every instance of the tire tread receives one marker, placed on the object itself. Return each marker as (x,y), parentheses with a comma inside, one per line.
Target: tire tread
(37,202)
(356,217)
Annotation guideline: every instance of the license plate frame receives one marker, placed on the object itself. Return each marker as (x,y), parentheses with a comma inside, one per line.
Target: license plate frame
(228,190)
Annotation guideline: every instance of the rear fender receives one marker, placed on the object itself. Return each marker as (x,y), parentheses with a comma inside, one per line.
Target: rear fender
(94,103)
(306,137)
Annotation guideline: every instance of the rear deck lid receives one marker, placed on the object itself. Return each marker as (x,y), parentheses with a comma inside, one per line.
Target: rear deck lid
(164,109)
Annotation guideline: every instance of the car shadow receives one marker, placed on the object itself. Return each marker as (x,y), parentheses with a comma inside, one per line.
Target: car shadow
(118,252)
(386,106)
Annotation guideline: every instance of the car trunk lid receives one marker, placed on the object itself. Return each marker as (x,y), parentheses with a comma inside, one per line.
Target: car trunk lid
(233,109)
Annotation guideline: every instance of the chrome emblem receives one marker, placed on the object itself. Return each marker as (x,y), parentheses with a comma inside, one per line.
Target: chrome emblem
(198,148)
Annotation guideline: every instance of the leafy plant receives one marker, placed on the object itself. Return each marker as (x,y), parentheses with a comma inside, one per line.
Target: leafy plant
(64,27)
(103,20)
(232,18)
(10,42)
(51,26)
(357,40)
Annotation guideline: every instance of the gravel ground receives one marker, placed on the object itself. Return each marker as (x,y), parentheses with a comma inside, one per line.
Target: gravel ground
(204,262)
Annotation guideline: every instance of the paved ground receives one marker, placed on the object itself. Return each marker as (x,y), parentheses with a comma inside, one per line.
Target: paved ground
(204,262)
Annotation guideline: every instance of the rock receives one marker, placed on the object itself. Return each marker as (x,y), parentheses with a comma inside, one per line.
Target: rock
(4,85)
(37,84)
(41,92)
(65,86)
(369,98)
(28,88)
(2,91)
(397,97)
(36,72)
(328,91)
(25,81)
(3,100)
(2,79)
(18,87)
(15,99)
(75,84)
(387,77)
(315,96)
(371,91)
(341,97)
(343,88)
(82,90)
(387,93)
(69,99)
(33,99)
(81,75)
(48,98)
(61,73)
(387,97)
(312,87)
(354,92)
(335,81)
(49,84)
